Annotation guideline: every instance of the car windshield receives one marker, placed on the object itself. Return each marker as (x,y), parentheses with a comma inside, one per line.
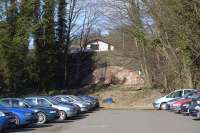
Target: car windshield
(52,100)
(56,99)
(4,105)
(76,98)
(191,94)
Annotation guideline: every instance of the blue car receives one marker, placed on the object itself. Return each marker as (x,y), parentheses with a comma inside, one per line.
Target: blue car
(6,119)
(23,117)
(194,108)
(45,114)
(65,111)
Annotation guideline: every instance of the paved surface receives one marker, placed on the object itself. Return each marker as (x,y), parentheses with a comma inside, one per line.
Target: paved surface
(123,121)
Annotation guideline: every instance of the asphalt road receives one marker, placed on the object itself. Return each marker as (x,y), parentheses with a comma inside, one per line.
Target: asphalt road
(122,121)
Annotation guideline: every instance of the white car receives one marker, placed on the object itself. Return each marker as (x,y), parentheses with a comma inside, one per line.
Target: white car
(161,103)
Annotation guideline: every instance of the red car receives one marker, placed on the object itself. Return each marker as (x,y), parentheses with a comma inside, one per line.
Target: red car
(176,107)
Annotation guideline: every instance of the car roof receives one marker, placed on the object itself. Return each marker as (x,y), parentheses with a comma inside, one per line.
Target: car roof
(12,99)
(64,95)
(36,97)
(182,89)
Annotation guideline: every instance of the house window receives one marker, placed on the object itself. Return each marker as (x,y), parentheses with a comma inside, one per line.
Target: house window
(94,47)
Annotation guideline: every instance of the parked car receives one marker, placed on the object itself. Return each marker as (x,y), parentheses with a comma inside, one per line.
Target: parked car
(188,95)
(194,108)
(65,111)
(183,104)
(161,103)
(45,114)
(59,100)
(92,99)
(76,99)
(7,118)
(66,99)
(22,116)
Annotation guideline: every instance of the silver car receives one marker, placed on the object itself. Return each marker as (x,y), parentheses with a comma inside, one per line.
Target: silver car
(161,103)
(85,106)
(65,111)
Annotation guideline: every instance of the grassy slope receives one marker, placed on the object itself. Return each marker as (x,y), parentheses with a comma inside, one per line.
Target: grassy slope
(127,97)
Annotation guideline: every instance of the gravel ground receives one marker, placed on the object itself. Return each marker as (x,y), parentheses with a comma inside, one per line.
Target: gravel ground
(122,121)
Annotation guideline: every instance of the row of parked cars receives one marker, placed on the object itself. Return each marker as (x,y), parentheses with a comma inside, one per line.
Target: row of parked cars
(18,112)
(185,101)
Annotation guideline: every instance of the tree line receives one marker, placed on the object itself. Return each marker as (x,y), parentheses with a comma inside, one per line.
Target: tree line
(35,37)
(166,37)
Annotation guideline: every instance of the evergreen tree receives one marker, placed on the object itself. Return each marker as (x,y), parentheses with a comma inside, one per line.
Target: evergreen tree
(45,44)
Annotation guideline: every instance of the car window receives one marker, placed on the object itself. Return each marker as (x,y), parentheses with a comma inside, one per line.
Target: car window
(43,102)
(69,99)
(5,101)
(2,104)
(33,101)
(175,94)
(187,91)
(15,103)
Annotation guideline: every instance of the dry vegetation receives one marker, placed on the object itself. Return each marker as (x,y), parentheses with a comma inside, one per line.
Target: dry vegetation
(128,97)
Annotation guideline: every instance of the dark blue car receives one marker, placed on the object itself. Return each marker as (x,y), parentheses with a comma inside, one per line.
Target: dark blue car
(194,108)
(6,119)
(23,117)
(45,114)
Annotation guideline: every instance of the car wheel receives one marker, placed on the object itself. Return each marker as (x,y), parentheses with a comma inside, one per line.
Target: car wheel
(16,123)
(163,106)
(198,115)
(41,118)
(63,115)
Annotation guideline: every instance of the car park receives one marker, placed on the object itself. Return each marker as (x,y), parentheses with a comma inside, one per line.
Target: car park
(65,111)
(183,104)
(171,102)
(22,112)
(45,114)
(161,103)
(23,117)
(84,107)
(6,119)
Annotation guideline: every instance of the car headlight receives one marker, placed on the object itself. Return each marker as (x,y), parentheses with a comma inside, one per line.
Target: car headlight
(35,111)
(52,112)
(186,105)
(2,114)
(28,114)
(85,105)
(177,104)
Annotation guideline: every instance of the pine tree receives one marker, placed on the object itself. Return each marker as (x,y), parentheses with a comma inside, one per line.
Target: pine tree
(45,44)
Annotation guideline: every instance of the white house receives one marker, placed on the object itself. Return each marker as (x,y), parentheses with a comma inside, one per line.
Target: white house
(98,46)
